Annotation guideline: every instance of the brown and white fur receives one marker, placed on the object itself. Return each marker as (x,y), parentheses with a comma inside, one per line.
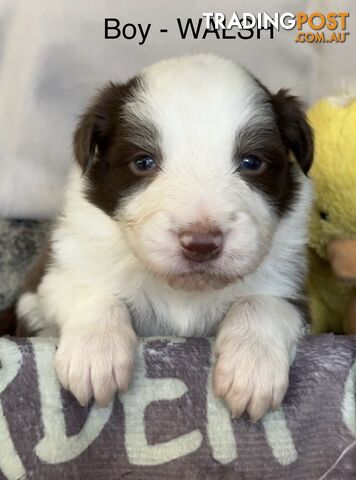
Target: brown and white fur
(123,261)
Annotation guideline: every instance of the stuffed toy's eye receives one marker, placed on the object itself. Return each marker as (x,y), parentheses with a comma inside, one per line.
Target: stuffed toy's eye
(252,165)
(324,216)
(143,165)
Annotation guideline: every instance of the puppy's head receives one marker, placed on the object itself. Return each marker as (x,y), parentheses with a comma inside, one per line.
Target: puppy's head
(198,163)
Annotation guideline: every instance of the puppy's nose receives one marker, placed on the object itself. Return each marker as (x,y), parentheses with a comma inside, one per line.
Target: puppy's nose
(201,246)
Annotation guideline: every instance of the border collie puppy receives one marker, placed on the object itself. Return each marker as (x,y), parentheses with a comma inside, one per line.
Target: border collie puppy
(185,214)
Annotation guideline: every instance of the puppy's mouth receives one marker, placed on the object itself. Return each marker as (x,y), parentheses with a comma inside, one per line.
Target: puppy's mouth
(200,281)
(192,276)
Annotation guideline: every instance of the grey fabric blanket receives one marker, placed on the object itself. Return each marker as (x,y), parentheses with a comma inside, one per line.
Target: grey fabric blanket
(168,425)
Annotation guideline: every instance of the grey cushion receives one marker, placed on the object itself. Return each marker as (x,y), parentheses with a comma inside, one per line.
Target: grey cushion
(170,426)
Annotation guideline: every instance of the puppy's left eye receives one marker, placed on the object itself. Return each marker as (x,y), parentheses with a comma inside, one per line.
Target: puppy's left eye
(252,165)
(143,165)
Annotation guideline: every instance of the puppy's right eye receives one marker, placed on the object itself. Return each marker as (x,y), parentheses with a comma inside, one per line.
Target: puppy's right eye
(143,165)
(252,165)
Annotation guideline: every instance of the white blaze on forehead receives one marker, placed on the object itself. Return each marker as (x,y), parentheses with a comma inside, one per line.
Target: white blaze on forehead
(198,103)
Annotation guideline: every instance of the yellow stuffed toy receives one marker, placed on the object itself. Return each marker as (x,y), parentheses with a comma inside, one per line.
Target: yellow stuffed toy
(332,281)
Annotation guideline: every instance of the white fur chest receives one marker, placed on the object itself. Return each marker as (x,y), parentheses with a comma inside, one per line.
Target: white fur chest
(161,311)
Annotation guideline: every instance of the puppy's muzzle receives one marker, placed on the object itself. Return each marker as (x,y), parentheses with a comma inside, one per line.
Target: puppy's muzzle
(201,246)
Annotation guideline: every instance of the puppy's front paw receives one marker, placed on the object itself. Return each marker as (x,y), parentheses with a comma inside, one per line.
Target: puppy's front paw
(92,364)
(250,379)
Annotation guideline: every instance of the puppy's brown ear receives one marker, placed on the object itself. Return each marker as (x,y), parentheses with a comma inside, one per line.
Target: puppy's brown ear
(294,128)
(96,127)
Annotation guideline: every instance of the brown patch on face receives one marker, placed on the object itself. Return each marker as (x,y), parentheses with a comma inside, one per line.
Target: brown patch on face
(283,131)
(107,138)
(277,181)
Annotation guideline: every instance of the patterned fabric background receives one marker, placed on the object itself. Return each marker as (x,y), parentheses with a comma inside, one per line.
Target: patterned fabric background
(169,426)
